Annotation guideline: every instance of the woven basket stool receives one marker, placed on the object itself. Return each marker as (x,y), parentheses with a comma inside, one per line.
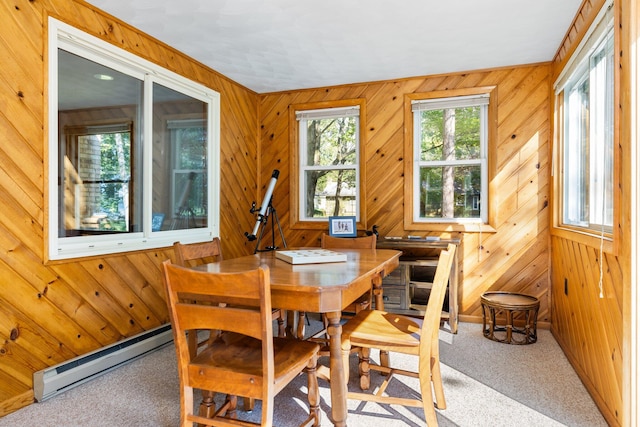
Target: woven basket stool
(513,306)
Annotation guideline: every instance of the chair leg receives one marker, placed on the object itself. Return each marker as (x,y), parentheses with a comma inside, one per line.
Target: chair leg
(427,397)
(290,327)
(186,406)
(295,327)
(385,358)
(302,316)
(248,404)
(363,368)
(313,394)
(207,406)
(281,325)
(436,378)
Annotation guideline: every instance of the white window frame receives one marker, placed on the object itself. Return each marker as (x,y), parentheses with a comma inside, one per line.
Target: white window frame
(63,36)
(325,113)
(599,37)
(419,105)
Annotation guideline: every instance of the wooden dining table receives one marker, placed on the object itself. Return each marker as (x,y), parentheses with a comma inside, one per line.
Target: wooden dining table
(322,288)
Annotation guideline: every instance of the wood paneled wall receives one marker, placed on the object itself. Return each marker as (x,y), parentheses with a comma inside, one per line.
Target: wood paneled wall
(54,312)
(588,327)
(515,256)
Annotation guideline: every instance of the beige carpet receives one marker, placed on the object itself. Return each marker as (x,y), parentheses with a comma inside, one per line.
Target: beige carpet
(486,384)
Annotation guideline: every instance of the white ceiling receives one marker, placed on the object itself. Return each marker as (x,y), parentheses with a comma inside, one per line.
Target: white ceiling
(278,45)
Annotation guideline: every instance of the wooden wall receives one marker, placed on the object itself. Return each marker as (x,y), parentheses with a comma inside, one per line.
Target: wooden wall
(54,312)
(515,256)
(589,328)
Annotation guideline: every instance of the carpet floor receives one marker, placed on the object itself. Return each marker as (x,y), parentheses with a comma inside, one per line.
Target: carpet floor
(485,383)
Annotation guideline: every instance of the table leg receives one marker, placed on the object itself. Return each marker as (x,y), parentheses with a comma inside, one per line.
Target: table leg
(376,283)
(337,369)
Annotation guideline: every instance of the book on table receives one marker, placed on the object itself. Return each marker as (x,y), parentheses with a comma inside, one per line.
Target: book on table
(310,256)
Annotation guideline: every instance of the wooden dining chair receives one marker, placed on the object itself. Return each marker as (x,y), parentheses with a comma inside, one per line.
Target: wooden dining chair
(190,255)
(252,362)
(403,334)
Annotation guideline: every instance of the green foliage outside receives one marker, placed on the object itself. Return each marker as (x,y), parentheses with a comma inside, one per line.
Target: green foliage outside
(466,184)
(330,142)
(115,176)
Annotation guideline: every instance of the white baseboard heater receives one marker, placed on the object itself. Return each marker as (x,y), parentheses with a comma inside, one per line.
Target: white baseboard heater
(59,378)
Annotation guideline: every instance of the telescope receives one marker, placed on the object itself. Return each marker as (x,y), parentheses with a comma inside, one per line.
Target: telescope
(266,203)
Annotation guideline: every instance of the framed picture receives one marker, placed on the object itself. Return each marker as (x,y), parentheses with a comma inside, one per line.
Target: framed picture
(342,226)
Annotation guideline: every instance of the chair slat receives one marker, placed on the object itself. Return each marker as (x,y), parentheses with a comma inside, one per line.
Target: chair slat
(232,319)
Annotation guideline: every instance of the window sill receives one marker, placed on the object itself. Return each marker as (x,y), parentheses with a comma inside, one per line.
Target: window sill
(586,237)
(450,227)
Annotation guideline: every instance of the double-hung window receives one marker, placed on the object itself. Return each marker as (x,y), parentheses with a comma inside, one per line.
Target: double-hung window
(449,159)
(585,97)
(133,151)
(329,162)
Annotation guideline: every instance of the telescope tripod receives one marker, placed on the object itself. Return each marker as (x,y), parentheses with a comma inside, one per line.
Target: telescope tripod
(270,212)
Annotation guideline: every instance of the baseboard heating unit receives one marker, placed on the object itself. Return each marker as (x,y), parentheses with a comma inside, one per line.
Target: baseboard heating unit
(59,378)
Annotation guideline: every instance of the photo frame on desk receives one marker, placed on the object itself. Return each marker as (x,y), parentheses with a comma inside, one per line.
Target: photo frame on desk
(342,226)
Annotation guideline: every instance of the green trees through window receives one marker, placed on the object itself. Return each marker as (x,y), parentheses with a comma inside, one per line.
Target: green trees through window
(98,167)
(329,147)
(450,158)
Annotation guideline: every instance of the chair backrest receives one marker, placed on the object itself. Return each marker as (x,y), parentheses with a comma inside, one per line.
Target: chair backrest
(330,242)
(431,322)
(198,253)
(189,293)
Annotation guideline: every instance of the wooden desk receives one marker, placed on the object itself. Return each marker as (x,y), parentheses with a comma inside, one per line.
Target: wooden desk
(321,288)
(409,258)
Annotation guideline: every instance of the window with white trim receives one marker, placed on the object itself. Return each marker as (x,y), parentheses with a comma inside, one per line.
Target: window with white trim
(450,159)
(134,151)
(585,91)
(329,163)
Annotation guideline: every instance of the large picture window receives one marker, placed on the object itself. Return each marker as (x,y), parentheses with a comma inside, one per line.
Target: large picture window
(329,162)
(133,151)
(585,93)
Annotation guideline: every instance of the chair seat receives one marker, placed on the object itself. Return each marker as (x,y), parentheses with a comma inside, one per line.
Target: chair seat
(241,356)
(383,330)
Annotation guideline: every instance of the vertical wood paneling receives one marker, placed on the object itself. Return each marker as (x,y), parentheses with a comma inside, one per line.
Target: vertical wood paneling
(54,312)
(588,327)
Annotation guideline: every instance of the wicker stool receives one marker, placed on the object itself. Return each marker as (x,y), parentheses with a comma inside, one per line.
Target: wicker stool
(513,305)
